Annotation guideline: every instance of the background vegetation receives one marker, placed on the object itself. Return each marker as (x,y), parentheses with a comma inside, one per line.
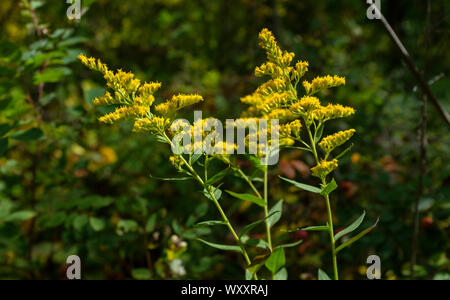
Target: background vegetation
(71,186)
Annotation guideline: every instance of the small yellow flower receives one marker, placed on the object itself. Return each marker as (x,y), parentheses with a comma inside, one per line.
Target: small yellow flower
(331,142)
(324,168)
(320,83)
(305,105)
(332,111)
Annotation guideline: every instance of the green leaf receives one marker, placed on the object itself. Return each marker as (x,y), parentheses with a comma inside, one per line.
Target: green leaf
(281,275)
(3,146)
(217,177)
(222,247)
(80,221)
(4,129)
(302,186)
(248,228)
(151,223)
(329,188)
(141,274)
(248,197)
(29,135)
(323,276)
(52,75)
(350,228)
(20,216)
(289,245)
(311,228)
(258,243)
(248,275)
(356,238)
(258,262)
(211,223)
(127,225)
(275,217)
(171,179)
(195,158)
(215,191)
(319,133)
(276,261)
(344,152)
(97,224)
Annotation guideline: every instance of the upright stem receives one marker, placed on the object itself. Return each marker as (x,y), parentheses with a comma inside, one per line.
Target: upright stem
(331,231)
(219,207)
(330,214)
(266,207)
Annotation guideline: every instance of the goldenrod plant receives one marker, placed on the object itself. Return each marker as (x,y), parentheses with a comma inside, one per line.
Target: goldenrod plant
(295,118)
(304,118)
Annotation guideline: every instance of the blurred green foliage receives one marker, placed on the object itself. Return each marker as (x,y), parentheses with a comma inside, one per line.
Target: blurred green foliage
(70,186)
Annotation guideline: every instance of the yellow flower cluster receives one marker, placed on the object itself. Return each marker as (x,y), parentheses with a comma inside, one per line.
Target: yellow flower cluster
(332,111)
(155,124)
(176,103)
(321,83)
(331,142)
(177,162)
(324,168)
(123,113)
(292,129)
(306,105)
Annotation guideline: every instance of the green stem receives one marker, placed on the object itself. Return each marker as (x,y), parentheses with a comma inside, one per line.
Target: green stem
(330,215)
(219,207)
(266,207)
(331,231)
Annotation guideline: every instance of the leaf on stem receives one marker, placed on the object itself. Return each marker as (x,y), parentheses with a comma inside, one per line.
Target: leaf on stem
(311,228)
(217,193)
(248,228)
(171,179)
(302,186)
(329,188)
(276,261)
(222,247)
(323,276)
(356,238)
(349,148)
(219,176)
(289,245)
(211,223)
(274,218)
(248,197)
(350,228)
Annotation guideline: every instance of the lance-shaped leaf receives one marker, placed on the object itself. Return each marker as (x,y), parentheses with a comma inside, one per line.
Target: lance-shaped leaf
(345,151)
(211,223)
(171,179)
(356,238)
(350,228)
(329,188)
(258,243)
(258,262)
(222,247)
(248,228)
(323,276)
(289,245)
(302,186)
(248,197)
(274,218)
(219,176)
(311,228)
(276,261)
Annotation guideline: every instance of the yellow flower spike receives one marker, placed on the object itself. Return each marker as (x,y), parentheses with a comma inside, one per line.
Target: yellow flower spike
(277,100)
(296,127)
(331,142)
(272,86)
(320,83)
(305,105)
(104,100)
(155,124)
(177,102)
(332,111)
(284,115)
(268,42)
(253,99)
(301,67)
(269,69)
(148,89)
(93,64)
(121,113)
(324,168)
(145,101)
